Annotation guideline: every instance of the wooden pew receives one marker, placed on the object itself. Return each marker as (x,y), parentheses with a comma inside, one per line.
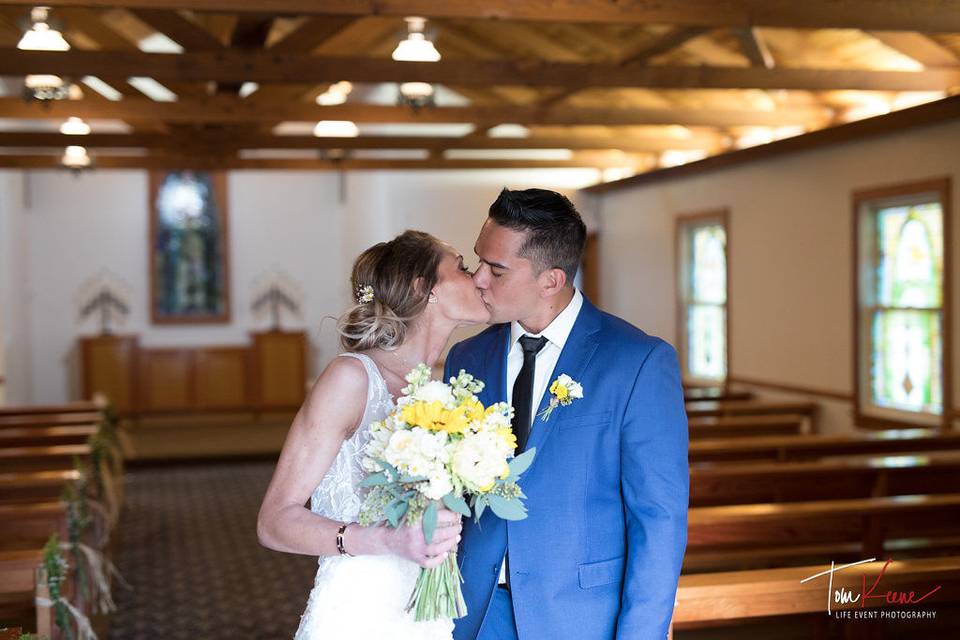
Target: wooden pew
(42,457)
(810,447)
(715,598)
(714,483)
(25,526)
(694,394)
(18,570)
(49,420)
(41,436)
(748,408)
(35,486)
(82,406)
(745,426)
(757,535)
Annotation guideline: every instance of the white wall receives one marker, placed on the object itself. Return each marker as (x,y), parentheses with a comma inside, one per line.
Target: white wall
(310,225)
(790,252)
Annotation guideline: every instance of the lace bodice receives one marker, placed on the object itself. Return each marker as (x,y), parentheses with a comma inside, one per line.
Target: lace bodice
(363,597)
(338,495)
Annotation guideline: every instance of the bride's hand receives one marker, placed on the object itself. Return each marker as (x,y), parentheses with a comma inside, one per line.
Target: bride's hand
(408,541)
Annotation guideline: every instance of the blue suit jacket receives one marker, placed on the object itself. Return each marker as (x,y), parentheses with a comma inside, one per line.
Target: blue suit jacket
(599,555)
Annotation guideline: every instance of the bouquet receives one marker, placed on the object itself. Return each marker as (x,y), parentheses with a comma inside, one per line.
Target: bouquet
(441,446)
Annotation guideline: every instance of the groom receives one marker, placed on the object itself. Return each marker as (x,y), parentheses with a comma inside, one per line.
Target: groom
(599,555)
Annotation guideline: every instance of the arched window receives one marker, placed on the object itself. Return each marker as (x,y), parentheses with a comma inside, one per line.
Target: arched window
(901,310)
(702,287)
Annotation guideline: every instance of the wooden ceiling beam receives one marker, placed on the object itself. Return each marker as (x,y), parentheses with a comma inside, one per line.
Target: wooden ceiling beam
(921,48)
(222,162)
(933,16)
(647,143)
(639,55)
(186,33)
(266,67)
(228,109)
(755,48)
(311,34)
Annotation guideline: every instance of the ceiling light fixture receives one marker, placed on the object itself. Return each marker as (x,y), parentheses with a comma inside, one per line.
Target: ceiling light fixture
(75,158)
(74,126)
(416,48)
(336,129)
(41,36)
(336,94)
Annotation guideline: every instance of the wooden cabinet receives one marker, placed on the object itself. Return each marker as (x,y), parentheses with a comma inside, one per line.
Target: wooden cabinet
(280,369)
(269,374)
(109,366)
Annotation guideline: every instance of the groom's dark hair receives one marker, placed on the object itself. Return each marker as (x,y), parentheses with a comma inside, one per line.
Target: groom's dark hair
(556,234)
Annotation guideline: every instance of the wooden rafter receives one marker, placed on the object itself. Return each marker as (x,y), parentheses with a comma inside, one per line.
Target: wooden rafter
(188,34)
(934,16)
(636,56)
(755,48)
(233,66)
(228,109)
(225,140)
(918,46)
(221,162)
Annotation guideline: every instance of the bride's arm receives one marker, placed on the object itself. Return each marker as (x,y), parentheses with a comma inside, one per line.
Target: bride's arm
(332,409)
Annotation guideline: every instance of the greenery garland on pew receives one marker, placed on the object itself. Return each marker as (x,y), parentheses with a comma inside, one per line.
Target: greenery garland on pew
(55,569)
(78,521)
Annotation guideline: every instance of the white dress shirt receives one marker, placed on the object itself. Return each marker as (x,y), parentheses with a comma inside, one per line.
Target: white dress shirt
(556,334)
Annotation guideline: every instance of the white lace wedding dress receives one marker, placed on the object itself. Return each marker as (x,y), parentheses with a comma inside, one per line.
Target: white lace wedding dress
(363,597)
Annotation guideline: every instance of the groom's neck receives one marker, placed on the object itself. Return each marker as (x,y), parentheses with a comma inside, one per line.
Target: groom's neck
(548,311)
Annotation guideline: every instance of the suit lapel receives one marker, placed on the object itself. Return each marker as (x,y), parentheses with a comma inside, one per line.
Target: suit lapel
(495,369)
(577,351)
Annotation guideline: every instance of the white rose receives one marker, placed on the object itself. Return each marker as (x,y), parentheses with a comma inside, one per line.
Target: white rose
(438,486)
(434,391)
(479,458)
(399,448)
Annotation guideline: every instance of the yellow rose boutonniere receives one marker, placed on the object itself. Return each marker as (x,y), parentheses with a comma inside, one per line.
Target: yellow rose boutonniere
(563,390)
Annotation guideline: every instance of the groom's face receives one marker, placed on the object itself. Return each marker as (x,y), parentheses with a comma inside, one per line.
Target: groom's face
(507,282)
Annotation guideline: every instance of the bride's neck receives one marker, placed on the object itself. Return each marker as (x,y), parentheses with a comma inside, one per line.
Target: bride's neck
(425,342)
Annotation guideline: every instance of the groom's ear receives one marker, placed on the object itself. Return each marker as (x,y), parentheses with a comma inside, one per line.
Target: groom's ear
(552,281)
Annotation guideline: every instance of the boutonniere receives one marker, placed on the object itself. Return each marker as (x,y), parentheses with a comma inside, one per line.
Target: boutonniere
(563,390)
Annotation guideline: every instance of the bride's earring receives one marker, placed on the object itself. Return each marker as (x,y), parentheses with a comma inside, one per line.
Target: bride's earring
(432,298)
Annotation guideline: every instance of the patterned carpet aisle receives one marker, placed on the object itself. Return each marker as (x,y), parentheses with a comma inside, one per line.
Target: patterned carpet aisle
(189,549)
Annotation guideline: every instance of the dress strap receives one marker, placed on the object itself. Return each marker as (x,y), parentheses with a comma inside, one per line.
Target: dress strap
(375,381)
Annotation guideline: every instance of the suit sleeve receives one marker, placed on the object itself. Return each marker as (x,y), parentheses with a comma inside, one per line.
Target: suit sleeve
(655,481)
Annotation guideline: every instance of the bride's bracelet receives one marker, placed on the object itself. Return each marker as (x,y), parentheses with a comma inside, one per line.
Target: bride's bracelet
(340,547)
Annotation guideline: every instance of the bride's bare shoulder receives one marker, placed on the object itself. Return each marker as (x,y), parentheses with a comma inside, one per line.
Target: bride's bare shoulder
(342,375)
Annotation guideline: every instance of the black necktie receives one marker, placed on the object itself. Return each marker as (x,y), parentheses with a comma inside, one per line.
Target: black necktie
(523,389)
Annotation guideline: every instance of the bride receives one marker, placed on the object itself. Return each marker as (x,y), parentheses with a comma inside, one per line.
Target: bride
(411,292)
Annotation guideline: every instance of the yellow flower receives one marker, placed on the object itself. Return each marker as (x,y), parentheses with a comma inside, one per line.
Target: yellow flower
(434,417)
(473,410)
(508,437)
(506,470)
(559,390)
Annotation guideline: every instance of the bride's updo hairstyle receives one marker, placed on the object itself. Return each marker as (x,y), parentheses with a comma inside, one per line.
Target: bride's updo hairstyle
(391,284)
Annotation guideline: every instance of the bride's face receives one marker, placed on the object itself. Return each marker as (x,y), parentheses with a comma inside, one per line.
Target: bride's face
(457,298)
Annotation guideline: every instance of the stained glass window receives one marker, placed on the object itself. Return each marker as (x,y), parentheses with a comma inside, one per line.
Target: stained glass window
(704,293)
(188,231)
(906,315)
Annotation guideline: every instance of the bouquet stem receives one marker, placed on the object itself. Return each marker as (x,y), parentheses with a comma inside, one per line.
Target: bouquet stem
(437,594)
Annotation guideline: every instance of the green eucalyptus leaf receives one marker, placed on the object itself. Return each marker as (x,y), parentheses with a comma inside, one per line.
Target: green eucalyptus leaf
(522,462)
(374,480)
(507,509)
(456,503)
(430,521)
